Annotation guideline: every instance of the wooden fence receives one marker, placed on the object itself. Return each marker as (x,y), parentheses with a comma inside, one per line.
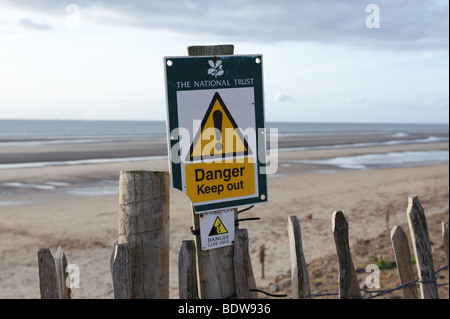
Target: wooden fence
(140,259)
(348,285)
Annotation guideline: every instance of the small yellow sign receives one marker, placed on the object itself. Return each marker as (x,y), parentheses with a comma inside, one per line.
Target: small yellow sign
(218,228)
(220,180)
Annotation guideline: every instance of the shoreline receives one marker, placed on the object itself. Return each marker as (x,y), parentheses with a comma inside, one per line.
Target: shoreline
(25,186)
(110,170)
(129,148)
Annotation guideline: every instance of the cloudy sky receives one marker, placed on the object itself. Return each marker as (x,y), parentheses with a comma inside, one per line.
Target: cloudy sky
(324,60)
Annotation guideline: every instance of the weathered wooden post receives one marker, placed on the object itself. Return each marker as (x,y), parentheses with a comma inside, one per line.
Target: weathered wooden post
(348,282)
(187,271)
(61,266)
(52,274)
(299,272)
(120,271)
(422,249)
(47,274)
(220,97)
(243,271)
(262,258)
(144,226)
(215,267)
(445,238)
(403,260)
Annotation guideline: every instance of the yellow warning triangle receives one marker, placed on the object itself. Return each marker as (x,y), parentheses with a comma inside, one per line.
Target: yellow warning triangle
(218,136)
(218,228)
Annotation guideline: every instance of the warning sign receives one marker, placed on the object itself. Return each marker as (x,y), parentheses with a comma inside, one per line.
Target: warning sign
(219,135)
(216,130)
(217,229)
(220,180)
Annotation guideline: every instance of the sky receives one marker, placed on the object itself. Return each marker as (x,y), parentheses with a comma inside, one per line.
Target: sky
(375,61)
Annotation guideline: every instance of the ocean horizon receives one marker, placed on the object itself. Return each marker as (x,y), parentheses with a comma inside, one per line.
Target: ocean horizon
(31,129)
(21,135)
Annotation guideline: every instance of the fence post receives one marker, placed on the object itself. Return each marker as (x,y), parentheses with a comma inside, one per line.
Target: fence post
(215,267)
(61,274)
(47,274)
(243,272)
(403,260)
(222,49)
(348,282)
(52,274)
(144,225)
(422,249)
(445,238)
(187,273)
(299,272)
(262,257)
(120,271)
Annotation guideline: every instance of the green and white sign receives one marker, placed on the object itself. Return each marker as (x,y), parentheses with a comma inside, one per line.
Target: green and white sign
(216,129)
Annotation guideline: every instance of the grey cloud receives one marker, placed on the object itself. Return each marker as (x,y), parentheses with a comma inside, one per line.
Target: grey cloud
(404,24)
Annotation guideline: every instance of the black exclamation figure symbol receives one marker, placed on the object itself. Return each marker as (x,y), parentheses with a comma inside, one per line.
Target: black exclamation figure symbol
(217,118)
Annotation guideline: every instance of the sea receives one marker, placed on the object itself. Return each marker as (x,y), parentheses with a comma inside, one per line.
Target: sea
(32,133)
(22,135)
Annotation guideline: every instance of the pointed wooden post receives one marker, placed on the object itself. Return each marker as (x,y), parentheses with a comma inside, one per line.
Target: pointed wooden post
(403,260)
(299,272)
(61,274)
(422,249)
(52,274)
(348,282)
(47,274)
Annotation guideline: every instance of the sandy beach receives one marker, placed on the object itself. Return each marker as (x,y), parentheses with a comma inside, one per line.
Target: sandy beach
(86,226)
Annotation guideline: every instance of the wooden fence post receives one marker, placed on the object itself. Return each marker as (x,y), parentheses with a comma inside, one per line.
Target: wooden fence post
(120,271)
(47,274)
(222,49)
(61,274)
(422,249)
(348,282)
(144,225)
(403,260)
(445,238)
(215,267)
(262,257)
(52,274)
(299,272)
(187,272)
(243,271)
